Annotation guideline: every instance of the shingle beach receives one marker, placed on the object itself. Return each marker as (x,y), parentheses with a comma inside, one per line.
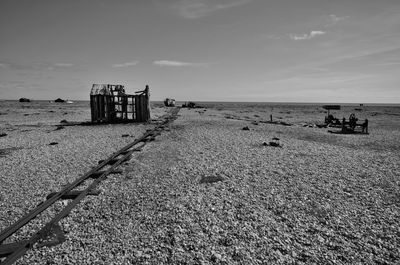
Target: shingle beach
(208,192)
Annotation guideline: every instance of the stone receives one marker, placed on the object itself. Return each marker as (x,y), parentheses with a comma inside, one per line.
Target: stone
(211,179)
(216,257)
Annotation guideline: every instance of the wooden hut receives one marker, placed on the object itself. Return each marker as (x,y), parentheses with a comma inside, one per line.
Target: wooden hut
(110,104)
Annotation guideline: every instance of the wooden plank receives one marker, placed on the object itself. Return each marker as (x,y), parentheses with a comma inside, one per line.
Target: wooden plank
(111,107)
(134,108)
(137,108)
(126,107)
(106,109)
(142,108)
(72,194)
(147,98)
(7,249)
(98,106)
(101,106)
(91,108)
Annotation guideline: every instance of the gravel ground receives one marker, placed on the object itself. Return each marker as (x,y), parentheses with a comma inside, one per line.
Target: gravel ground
(208,192)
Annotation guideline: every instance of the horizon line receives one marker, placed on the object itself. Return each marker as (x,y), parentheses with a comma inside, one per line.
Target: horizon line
(223,101)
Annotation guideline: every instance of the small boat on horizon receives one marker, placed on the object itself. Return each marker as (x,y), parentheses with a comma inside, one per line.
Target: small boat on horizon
(69,101)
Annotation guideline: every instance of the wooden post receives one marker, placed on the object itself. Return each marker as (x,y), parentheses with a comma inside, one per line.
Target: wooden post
(107,108)
(92,111)
(137,108)
(343,125)
(147,103)
(125,107)
(143,107)
(98,108)
(102,108)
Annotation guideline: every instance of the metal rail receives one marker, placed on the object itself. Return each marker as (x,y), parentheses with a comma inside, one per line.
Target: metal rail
(12,251)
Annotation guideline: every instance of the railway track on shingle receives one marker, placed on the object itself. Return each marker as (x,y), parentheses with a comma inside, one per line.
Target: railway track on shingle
(10,252)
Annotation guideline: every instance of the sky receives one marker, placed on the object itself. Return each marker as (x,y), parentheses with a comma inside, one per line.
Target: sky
(342,51)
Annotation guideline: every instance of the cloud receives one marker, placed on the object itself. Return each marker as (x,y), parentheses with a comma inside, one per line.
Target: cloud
(63,64)
(388,64)
(177,63)
(193,9)
(311,35)
(34,66)
(127,64)
(273,37)
(333,19)
(4,65)
(368,61)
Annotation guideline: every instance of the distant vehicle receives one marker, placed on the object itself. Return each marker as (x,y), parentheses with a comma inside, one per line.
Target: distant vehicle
(59,100)
(69,101)
(24,100)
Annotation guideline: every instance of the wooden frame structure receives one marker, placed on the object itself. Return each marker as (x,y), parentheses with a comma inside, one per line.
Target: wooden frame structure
(110,104)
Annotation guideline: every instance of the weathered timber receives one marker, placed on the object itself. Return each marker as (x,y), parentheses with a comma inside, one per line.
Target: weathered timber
(110,104)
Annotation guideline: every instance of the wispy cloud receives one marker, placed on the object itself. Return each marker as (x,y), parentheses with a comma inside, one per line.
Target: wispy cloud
(52,66)
(272,37)
(4,65)
(35,66)
(177,63)
(388,64)
(333,19)
(193,9)
(63,64)
(367,61)
(127,64)
(311,35)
